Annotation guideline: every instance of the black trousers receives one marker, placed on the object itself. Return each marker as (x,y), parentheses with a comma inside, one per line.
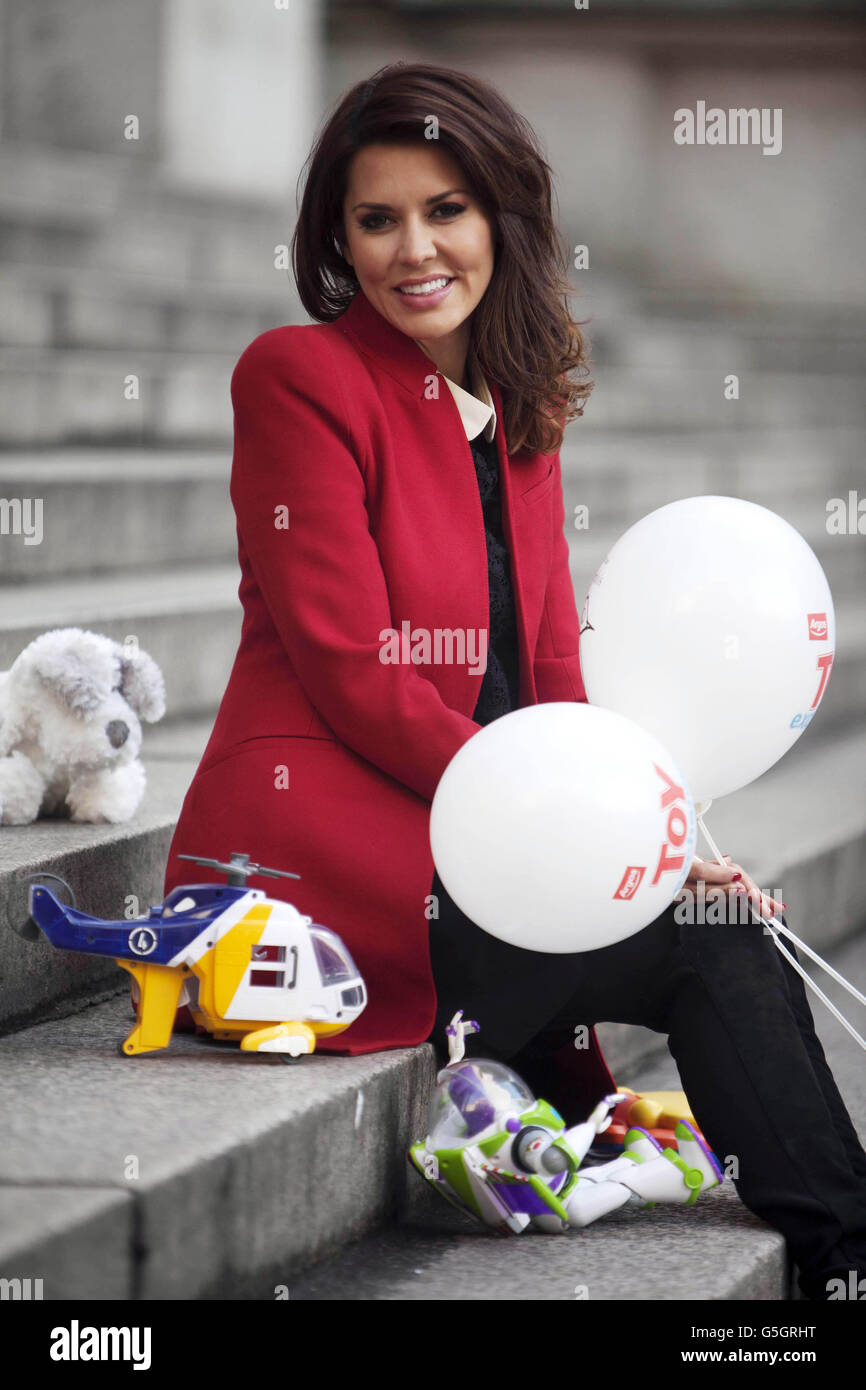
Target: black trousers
(741,1032)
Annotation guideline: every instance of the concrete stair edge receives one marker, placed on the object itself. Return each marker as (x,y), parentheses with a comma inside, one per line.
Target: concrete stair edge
(324,1141)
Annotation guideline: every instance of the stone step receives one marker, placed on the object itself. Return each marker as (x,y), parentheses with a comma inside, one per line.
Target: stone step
(118,214)
(205,1172)
(177,613)
(638,330)
(51,396)
(153,507)
(58,396)
(673,396)
(194,1173)
(172,506)
(62,306)
(641,468)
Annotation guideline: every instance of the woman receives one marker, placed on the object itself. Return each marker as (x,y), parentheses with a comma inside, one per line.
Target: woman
(405,579)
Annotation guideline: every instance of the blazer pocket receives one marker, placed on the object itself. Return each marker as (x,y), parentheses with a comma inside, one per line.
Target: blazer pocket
(540,489)
(259,739)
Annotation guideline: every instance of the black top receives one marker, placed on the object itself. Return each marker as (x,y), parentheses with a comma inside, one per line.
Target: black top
(500,684)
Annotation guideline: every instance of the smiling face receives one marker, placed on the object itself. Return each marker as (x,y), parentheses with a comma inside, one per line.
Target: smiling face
(420,244)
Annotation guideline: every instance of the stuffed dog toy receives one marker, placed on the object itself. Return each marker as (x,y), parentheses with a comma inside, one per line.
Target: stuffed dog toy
(69,728)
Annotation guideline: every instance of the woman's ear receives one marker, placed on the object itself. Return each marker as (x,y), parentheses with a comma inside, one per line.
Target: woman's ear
(342,243)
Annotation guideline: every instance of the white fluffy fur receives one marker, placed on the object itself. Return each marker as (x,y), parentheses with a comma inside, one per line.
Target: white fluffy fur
(60,701)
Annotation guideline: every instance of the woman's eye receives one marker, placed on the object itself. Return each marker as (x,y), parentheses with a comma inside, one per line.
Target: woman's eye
(372,222)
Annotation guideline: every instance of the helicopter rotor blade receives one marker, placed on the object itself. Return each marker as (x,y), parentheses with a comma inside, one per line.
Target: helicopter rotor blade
(272,873)
(239,867)
(197,859)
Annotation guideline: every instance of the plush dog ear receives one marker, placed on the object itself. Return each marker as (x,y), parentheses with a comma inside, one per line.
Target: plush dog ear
(76,665)
(141,683)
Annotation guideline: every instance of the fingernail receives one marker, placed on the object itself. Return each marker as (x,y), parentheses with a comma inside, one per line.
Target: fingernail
(735,877)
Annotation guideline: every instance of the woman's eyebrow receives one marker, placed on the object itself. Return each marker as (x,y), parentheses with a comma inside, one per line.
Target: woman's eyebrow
(437,197)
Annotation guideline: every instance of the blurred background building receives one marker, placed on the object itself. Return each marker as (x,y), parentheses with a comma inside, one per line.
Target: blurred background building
(149,156)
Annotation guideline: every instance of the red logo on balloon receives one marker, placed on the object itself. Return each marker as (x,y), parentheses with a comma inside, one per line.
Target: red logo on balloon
(630,881)
(817,627)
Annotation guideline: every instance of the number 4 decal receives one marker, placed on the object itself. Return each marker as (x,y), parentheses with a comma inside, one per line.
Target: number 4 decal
(824,663)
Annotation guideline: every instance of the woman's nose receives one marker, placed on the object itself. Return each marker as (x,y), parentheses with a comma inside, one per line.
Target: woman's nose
(416,245)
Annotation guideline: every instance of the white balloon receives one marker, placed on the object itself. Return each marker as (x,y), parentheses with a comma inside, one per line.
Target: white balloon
(710,623)
(561,827)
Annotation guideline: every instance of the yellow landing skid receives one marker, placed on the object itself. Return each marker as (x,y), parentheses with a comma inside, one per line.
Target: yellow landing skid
(159,987)
(289,1039)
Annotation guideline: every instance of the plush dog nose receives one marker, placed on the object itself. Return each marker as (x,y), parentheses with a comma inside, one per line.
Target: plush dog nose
(118,733)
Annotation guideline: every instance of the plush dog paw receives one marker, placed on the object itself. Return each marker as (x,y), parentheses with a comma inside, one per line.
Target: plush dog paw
(110,795)
(21,789)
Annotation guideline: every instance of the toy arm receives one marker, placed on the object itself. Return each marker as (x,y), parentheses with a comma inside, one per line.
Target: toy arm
(580,1137)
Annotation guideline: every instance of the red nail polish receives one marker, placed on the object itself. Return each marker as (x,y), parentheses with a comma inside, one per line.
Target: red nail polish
(735,877)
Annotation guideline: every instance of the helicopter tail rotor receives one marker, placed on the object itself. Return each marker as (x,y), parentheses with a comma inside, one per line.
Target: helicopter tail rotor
(25,927)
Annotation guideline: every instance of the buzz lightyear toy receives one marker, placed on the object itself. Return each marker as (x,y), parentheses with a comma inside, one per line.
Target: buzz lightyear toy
(507,1159)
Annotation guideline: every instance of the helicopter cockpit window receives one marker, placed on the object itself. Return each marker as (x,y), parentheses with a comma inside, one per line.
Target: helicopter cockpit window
(334,962)
(184,904)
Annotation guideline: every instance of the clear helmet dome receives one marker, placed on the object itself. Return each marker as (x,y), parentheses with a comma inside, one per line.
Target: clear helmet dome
(470,1097)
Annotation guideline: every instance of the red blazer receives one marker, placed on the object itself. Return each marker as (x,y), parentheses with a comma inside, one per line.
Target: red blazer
(358,509)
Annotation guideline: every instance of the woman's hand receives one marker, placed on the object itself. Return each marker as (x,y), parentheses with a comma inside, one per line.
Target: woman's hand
(730,879)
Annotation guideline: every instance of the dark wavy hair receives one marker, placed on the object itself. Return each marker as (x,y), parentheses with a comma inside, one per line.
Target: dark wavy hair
(522,331)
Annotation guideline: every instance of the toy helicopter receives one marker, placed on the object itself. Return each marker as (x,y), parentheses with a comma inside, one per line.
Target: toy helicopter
(248,966)
(507,1159)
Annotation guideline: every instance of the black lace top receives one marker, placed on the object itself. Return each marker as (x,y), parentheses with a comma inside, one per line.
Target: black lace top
(500,683)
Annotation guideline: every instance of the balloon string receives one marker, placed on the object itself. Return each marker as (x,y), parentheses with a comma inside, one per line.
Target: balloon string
(820,993)
(774,927)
